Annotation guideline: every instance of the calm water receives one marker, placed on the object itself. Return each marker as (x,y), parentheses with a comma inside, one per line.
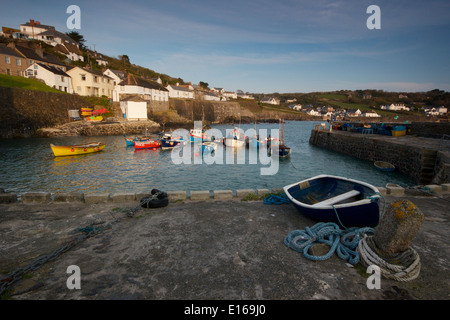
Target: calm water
(29,165)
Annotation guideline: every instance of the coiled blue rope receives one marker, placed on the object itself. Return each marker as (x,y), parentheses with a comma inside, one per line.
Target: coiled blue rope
(276,199)
(343,242)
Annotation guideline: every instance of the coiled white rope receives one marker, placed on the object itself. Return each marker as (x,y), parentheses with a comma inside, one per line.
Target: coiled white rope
(402,267)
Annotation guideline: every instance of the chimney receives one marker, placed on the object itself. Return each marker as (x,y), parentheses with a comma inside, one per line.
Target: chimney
(40,52)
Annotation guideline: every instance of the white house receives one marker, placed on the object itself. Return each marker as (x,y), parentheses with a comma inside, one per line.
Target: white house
(313,112)
(180,92)
(116,75)
(371,114)
(88,82)
(395,107)
(297,107)
(210,96)
(218,91)
(229,94)
(146,89)
(53,77)
(354,113)
(134,108)
(270,101)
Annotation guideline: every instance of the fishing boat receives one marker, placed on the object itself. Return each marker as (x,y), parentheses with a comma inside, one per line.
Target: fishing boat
(283,150)
(209,146)
(327,198)
(169,142)
(235,138)
(384,166)
(197,135)
(61,151)
(147,144)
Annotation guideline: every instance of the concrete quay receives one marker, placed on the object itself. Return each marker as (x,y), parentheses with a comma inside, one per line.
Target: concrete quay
(206,249)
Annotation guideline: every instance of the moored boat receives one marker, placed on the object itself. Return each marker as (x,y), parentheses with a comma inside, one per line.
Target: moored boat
(197,135)
(169,142)
(147,144)
(384,166)
(235,138)
(209,146)
(327,198)
(71,150)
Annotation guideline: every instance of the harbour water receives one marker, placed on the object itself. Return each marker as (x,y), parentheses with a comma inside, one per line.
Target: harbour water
(29,165)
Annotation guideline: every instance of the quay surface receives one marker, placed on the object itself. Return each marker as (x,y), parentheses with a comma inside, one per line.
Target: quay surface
(212,249)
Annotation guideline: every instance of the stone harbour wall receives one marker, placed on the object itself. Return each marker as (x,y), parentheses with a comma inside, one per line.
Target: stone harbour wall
(420,163)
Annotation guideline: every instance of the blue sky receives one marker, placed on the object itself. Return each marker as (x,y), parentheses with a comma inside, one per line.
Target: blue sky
(263,46)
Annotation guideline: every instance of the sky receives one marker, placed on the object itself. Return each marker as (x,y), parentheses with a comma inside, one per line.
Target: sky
(262,46)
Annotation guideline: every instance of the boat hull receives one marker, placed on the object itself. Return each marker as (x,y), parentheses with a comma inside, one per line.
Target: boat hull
(384,166)
(314,199)
(234,143)
(62,151)
(149,144)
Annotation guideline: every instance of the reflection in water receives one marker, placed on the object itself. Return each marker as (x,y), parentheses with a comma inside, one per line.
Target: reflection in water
(29,165)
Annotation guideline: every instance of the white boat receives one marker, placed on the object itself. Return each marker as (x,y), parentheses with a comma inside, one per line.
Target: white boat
(235,139)
(209,146)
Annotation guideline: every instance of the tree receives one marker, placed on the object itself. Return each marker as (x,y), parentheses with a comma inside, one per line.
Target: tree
(78,38)
(204,85)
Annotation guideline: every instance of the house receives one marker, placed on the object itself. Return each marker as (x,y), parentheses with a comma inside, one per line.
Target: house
(371,114)
(11,62)
(229,95)
(269,100)
(218,91)
(297,107)
(395,107)
(148,90)
(53,77)
(210,96)
(72,52)
(180,92)
(33,53)
(353,113)
(48,34)
(87,82)
(134,108)
(367,96)
(117,75)
(312,112)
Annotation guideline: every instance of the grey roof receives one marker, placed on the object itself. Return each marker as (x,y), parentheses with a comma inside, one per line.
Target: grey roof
(54,70)
(8,51)
(179,88)
(135,81)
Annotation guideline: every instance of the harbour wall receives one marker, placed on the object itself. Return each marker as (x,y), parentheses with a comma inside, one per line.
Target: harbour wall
(23,112)
(422,160)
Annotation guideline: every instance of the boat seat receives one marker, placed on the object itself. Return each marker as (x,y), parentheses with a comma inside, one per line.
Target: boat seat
(337,199)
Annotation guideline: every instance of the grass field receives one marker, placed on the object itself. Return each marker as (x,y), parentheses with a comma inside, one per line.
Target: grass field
(24,83)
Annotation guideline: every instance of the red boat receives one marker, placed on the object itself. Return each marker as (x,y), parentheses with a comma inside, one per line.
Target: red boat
(146,144)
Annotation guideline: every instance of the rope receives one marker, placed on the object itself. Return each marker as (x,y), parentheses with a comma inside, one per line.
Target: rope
(276,199)
(343,242)
(402,267)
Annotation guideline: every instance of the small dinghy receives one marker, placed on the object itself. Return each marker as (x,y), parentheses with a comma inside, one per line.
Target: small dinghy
(384,166)
(344,201)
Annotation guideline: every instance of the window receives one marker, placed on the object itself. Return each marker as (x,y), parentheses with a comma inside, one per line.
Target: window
(62,79)
(95,79)
(18,62)
(7,60)
(31,62)
(8,72)
(83,77)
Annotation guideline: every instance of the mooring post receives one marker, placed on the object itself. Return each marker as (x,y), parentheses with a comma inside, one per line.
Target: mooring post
(390,247)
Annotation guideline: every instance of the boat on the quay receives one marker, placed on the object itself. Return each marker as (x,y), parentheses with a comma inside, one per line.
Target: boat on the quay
(384,166)
(61,151)
(327,198)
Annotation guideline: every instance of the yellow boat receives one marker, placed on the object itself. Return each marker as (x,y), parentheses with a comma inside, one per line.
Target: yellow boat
(61,151)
